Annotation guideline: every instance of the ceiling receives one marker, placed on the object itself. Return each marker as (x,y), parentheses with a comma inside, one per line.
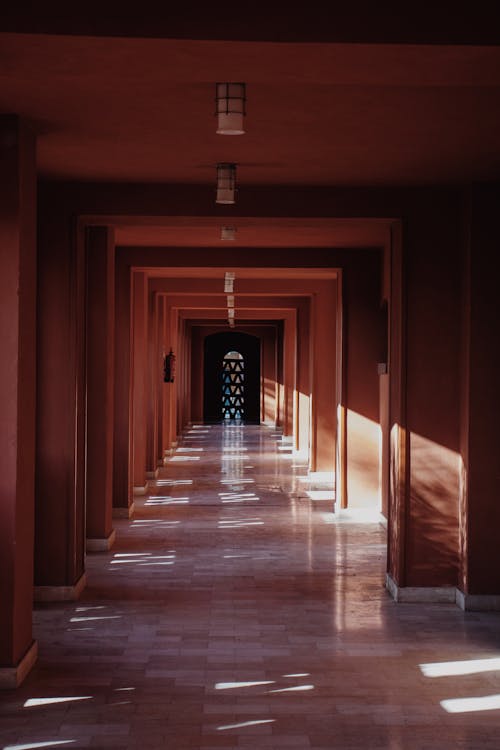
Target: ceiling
(142,110)
(114,99)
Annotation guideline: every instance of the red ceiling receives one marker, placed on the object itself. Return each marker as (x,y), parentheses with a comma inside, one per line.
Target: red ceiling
(126,104)
(141,110)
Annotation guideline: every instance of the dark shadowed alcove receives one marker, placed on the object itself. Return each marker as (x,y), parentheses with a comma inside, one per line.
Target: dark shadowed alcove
(231,377)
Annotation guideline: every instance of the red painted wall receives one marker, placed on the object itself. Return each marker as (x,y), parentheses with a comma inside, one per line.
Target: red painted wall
(363,347)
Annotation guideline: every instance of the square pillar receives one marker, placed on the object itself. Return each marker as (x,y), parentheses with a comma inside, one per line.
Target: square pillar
(324,390)
(61,407)
(479,586)
(123,506)
(139,380)
(100,386)
(423,560)
(17,397)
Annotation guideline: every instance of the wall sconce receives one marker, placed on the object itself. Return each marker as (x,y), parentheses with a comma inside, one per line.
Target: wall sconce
(230,100)
(169,367)
(228,233)
(226,182)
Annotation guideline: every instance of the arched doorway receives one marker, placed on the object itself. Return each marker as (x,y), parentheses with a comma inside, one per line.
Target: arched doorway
(231,389)
(233,386)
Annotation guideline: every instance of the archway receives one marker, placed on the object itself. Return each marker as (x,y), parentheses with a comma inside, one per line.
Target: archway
(231,388)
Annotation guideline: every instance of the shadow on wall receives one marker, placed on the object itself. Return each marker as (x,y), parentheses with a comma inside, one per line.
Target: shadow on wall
(433,518)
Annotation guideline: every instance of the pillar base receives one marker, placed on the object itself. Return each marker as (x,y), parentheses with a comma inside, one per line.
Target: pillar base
(287,439)
(320,480)
(478,602)
(60,593)
(12,677)
(420,594)
(152,474)
(301,455)
(101,545)
(141,489)
(127,512)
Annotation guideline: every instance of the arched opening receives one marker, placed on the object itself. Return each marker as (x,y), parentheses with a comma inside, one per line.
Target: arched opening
(231,377)
(233,386)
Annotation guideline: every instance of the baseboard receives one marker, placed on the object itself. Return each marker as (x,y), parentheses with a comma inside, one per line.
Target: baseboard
(287,439)
(141,489)
(420,594)
(103,544)
(12,677)
(127,512)
(478,602)
(60,593)
(152,474)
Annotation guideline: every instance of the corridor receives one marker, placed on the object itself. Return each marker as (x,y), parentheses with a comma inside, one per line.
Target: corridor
(236,611)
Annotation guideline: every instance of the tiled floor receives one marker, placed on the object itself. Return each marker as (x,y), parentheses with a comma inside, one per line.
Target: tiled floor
(237,612)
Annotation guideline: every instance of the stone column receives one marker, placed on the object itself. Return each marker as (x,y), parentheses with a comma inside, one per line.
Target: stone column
(479,586)
(139,380)
(100,386)
(18,650)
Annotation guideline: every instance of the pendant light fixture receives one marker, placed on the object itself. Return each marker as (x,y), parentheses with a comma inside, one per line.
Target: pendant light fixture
(226,182)
(228,233)
(230,100)
(229,277)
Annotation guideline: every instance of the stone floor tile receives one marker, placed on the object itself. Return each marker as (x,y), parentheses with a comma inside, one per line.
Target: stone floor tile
(236,612)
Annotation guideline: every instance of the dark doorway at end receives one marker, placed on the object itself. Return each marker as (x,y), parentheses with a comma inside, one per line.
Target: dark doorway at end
(223,379)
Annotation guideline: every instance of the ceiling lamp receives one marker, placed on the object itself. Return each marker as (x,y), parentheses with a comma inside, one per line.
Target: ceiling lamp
(230,102)
(229,277)
(228,233)
(226,182)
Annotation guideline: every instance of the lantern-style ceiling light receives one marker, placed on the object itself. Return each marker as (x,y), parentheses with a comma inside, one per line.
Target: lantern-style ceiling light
(226,182)
(229,277)
(228,233)
(230,99)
